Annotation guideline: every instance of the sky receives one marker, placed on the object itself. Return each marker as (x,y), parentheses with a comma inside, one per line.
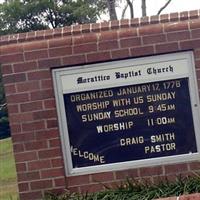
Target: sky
(154,5)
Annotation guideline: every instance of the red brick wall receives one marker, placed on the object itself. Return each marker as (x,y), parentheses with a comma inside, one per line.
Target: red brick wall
(27,59)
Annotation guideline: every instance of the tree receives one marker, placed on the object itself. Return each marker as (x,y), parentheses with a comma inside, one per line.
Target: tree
(29,15)
(130,4)
(4,124)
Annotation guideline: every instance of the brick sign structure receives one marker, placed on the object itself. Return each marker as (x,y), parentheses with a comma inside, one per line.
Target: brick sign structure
(29,62)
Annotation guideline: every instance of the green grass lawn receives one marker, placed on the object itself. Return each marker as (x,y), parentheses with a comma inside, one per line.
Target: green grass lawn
(8,183)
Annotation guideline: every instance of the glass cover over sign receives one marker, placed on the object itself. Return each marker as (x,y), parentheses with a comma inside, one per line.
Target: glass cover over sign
(129,113)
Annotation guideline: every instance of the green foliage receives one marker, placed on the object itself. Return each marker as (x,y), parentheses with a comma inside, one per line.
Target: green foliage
(29,15)
(134,190)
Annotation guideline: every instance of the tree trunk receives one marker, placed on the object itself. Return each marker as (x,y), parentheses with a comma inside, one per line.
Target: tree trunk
(162,8)
(130,4)
(144,8)
(111,9)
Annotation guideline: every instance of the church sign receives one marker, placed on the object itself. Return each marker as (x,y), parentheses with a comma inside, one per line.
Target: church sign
(128,113)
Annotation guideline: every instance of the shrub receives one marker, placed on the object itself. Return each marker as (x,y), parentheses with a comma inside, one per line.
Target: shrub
(134,190)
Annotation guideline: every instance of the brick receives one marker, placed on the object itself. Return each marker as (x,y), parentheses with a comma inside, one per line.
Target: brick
(85,28)
(35,145)
(77,180)
(75,59)
(45,114)
(104,26)
(154,19)
(50,173)
(114,24)
(23,187)
(52,123)
(178,26)
(25,66)
(85,38)
(13,109)
(10,89)
(91,188)
(151,29)
(58,162)
(59,182)
(174,16)
(193,14)
(35,55)
(184,15)
(169,47)
(108,45)
(11,49)
(28,86)
(22,37)
(195,33)
(130,42)
(134,22)
(67,31)
(46,84)
(21,167)
(41,184)
(17,98)
(144,21)
(17,148)
(49,103)
(194,166)
(124,23)
(121,53)
(31,126)
(164,18)
(178,168)
(25,137)
(15,128)
(6,69)
(40,35)
(191,44)
(132,173)
(102,177)
(21,117)
(150,171)
(47,134)
(49,63)
(25,156)
(14,78)
(141,51)
(55,143)
(85,48)
(95,27)
(108,35)
(39,164)
(50,153)
(101,56)
(154,39)
(60,42)
(14,58)
(42,94)
(31,106)
(190,197)
(126,33)
(43,74)
(31,195)
(60,51)
(176,36)
(76,29)
(35,45)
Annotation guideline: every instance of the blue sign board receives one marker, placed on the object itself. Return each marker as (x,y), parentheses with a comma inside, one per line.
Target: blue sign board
(129,123)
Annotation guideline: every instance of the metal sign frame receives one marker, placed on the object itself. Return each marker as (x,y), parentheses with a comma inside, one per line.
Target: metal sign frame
(65,81)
